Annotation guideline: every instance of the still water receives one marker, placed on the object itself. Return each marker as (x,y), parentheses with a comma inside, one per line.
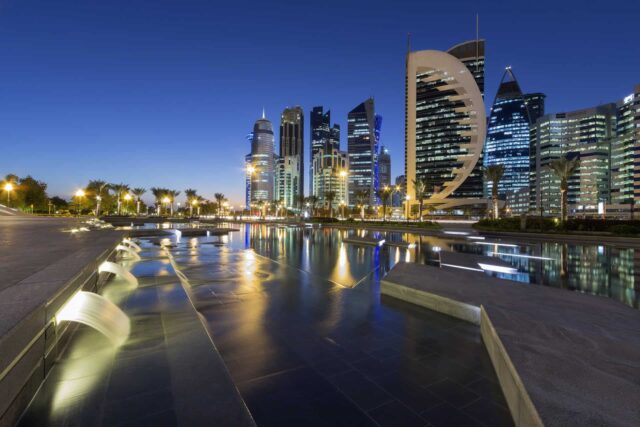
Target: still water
(594,269)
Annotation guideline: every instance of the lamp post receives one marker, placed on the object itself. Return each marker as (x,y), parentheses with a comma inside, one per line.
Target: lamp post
(98,199)
(79,195)
(127,198)
(49,206)
(343,176)
(342,203)
(166,200)
(8,187)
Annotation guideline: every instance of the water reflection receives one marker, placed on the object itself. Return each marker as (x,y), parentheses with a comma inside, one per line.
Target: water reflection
(594,269)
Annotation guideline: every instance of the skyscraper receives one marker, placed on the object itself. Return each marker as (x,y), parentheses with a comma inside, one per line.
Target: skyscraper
(384,167)
(445,122)
(363,138)
(323,136)
(262,167)
(625,151)
(584,134)
(507,141)
(290,170)
(535,105)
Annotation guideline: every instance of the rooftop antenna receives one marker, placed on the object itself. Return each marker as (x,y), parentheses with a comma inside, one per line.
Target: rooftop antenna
(263,115)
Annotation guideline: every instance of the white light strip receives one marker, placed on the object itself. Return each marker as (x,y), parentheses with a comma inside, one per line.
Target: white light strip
(521,256)
(476,237)
(506,245)
(458,233)
(461,267)
(498,268)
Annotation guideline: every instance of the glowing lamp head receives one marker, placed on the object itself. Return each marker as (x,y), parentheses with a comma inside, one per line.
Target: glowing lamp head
(127,197)
(407,197)
(8,187)
(80,193)
(194,202)
(166,200)
(98,198)
(343,173)
(250,170)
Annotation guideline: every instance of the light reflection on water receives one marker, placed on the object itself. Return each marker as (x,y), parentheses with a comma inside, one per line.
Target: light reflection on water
(594,269)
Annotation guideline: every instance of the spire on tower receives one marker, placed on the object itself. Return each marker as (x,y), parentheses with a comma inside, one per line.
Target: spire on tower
(263,115)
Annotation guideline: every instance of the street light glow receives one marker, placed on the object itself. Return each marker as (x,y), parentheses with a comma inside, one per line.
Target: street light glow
(8,187)
(127,197)
(80,193)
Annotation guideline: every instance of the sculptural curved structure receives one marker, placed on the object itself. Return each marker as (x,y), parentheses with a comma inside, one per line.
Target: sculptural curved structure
(445,122)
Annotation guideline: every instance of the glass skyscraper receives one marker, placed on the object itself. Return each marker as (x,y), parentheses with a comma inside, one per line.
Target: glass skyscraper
(290,174)
(262,161)
(323,136)
(363,139)
(507,142)
(384,167)
(625,160)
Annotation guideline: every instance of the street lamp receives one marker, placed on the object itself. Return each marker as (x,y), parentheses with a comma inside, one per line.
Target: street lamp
(166,200)
(127,198)
(79,195)
(8,187)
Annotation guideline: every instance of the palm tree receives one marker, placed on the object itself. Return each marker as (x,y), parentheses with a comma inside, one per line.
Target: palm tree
(260,205)
(158,194)
(98,188)
(384,196)
(494,174)
(420,189)
(120,190)
(172,194)
(192,199)
(330,197)
(564,168)
(219,200)
(313,202)
(362,198)
(137,193)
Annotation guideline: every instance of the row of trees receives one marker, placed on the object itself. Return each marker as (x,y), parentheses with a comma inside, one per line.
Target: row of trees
(563,168)
(25,193)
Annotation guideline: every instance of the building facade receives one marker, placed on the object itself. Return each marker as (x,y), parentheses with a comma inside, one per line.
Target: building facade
(384,167)
(625,152)
(363,139)
(507,141)
(584,134)
(261,167)
(329,174)
(323,136)
(535,103)
(290,165)
(445,122)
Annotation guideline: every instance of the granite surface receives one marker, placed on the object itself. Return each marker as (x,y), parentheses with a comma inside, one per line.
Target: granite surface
(578,355)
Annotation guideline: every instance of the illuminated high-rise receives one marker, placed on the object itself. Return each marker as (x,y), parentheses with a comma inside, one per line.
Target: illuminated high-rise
(262,162)
(445,122)
(507,141)
(290,164)
(625,152)
(363,139)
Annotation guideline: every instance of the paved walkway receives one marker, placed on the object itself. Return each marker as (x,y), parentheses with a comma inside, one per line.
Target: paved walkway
(577,355)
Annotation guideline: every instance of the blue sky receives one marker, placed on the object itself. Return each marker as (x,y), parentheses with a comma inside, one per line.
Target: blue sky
(163,93)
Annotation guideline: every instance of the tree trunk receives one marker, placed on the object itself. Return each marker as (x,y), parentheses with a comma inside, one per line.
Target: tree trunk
(421,202)
(495,208)
(362,212)
(563,205)
(138,208)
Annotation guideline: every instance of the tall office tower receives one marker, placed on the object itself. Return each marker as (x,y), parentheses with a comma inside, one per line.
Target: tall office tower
(322,136)
(329,176)
(262,167)
(363,138)
(625,151)
(507,141)
(535,105)
(290,165)
(247,179)
(584,134)
(384,167)
(445,122)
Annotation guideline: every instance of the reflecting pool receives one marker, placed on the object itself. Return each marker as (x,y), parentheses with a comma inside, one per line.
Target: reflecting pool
(595,269)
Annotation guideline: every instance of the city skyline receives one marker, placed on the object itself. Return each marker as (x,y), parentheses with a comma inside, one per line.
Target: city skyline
(160,87)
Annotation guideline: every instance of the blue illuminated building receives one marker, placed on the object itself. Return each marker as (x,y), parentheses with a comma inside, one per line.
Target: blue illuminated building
(507,140)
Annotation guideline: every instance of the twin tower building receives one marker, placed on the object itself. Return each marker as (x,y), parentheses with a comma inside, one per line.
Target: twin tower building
(335,177)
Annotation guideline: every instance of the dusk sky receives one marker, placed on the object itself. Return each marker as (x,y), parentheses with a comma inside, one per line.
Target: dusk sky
(163,93)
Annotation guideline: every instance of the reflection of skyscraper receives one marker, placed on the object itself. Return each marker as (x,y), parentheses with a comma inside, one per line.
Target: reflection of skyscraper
(445,120)
(262,161)
(363,137)
(384,167)
(290,178)
(507,142)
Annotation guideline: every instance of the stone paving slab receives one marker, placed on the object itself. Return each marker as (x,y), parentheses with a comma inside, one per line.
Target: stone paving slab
(577,355)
